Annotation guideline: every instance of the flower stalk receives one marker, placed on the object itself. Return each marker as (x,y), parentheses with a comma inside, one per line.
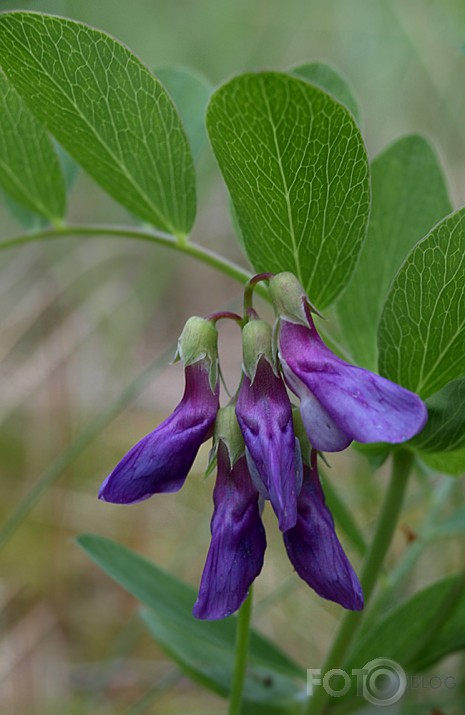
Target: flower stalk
(242,651)
(371,569)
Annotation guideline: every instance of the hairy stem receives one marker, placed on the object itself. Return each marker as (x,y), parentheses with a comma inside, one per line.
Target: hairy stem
(372,565)
(242,650)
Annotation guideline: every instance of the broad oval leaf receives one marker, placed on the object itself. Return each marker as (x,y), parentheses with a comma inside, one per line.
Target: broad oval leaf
(204,649)
(107,110)
(421,334)
(30,172)
(297,171)
(409,196)
(326,77)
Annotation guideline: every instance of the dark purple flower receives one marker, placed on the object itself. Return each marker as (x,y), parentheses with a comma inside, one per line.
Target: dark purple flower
(237,548)
(161,460)
(339,402)
(314,549)
(264,414)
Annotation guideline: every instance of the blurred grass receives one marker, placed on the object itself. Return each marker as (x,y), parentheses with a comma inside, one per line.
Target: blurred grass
(80,320)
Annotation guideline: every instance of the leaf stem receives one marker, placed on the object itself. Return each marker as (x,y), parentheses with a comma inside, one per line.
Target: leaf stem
(242,650)
(198,252)
(372,565)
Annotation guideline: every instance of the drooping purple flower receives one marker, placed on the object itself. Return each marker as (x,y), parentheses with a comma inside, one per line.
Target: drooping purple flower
(339,402)
(264,414)
(314,549)
(161,460)
(237,548)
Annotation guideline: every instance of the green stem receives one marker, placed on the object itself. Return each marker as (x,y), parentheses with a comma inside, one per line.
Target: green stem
(242,651)
(372,565)
(162,239)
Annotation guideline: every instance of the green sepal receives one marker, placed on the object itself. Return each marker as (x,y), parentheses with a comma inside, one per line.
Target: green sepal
(227,430)
(257,342)
(199,341)
(289,298)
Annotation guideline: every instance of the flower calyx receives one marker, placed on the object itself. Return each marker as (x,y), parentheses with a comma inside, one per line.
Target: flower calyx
(228,432)
(290,300)
(199,341)
(257,343)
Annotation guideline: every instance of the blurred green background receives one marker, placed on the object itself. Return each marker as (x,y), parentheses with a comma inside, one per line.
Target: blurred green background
(80,319)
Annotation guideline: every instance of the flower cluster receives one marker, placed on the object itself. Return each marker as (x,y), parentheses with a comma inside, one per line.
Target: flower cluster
(265,448)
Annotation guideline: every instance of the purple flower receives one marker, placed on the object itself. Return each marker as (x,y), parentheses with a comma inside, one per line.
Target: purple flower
(264,414)
(314,549)
(238,543)
(161,460)
(339,402)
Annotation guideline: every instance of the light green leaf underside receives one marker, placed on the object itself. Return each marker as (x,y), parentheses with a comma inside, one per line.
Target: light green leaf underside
(296,168)
(409,196)
(452,463)
(331,81)
(107,110)
(30,172)
(445,429)
(204,649)
(190,92)
(421,335)
(437,611)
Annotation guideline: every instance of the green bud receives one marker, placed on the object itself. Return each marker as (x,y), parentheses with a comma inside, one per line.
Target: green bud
(199,341)
(227,430)
(289,298)
(256,343)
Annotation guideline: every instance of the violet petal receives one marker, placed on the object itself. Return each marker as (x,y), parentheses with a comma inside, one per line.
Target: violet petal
(237,548)
(161,460)
(357,403)
(265,417)
(315,551)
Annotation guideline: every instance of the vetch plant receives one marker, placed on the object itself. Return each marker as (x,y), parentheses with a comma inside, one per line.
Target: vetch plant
(385,370)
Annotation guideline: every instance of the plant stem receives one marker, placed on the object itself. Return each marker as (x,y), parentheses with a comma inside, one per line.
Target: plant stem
(242,650)
(202,254)
(372,565)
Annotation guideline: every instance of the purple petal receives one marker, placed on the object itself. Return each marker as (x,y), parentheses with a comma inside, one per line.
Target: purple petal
(347,400)
(237,548)
(161,461)
(265,417)
(315,551)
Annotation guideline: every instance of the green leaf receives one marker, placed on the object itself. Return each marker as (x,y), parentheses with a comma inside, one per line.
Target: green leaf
(409,196)
(190,92)
(326,77)
(296,168)
(30,172)
(420,631)
(445,429)
(452,463)
(421,334)
(204,649)
(107,110)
